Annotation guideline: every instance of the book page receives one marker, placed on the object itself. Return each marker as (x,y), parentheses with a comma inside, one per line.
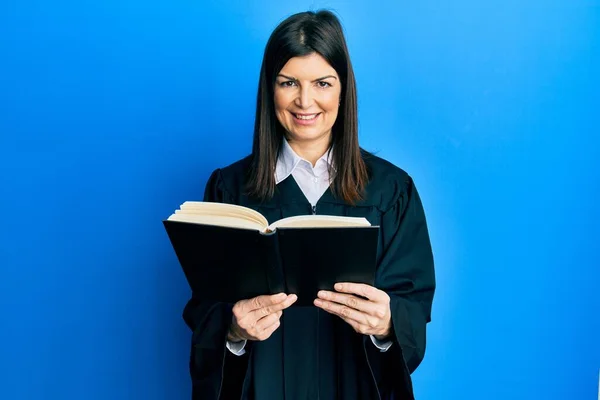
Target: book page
(202,207)
(217,220)
(220,214)
(318,221)
(252,218)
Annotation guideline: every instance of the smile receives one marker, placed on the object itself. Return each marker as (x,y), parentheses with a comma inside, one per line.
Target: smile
(305,119)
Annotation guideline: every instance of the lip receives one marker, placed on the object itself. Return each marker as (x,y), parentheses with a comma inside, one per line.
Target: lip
(304,121)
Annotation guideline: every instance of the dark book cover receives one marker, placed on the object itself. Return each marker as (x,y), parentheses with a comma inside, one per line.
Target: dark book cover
(229,264)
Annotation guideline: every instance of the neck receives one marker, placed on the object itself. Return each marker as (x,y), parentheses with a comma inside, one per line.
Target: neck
(310,150)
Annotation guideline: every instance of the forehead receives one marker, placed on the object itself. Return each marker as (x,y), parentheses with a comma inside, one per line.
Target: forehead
(311,66)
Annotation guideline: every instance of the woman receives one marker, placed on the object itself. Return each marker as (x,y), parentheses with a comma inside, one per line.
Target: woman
(359,342)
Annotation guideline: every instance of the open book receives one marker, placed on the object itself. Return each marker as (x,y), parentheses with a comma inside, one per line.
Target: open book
(230,215)
(230,253)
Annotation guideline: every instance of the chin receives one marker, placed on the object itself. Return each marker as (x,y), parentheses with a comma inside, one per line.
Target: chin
(305,134)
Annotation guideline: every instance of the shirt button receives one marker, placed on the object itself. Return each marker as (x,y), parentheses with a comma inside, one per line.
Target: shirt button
(316,179)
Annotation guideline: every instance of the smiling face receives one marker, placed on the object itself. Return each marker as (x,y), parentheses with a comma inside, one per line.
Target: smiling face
(307,97)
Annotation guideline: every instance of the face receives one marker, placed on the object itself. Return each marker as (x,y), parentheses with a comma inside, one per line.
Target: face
(307,97)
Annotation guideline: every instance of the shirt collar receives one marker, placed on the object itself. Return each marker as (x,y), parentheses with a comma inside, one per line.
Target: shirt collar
(288,160)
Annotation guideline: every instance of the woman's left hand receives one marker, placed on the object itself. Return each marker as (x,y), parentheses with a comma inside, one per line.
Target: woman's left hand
(368,317)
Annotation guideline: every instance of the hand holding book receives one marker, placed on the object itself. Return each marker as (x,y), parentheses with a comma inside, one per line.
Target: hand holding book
(365,308)
(257,318)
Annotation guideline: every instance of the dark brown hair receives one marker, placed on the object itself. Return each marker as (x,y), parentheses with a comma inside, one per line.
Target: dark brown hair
(300,35)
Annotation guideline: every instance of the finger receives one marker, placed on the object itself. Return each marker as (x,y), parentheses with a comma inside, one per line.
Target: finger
(342,311)
(270,309)
(265,334)
(352,301)
(262,301)
(265,327)
(289,301)
(276,321)
(361,289)
(266,322)
(358,328)
(274,316)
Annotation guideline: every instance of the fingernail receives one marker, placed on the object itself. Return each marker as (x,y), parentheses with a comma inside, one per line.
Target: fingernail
(318,302)
(322,293)
(337,286)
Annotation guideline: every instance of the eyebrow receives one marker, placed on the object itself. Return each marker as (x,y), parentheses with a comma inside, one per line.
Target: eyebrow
(318,79)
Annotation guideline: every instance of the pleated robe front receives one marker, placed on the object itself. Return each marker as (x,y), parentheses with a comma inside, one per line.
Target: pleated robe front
(313,354)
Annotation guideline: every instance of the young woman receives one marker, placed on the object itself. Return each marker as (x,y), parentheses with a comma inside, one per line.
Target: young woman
(359,342)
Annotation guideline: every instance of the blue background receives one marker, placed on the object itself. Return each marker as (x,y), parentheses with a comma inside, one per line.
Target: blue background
(112,113)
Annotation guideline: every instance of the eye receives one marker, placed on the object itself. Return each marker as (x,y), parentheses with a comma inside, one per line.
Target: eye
(287,84)
(323,84)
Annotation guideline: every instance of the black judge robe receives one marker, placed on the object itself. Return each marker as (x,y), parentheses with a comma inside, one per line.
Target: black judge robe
(313,354)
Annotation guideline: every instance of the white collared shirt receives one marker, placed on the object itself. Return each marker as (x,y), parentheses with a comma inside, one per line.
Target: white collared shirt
(313,181)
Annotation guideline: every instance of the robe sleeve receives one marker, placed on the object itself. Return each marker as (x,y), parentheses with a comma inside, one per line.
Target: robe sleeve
(406,272)
(213,369)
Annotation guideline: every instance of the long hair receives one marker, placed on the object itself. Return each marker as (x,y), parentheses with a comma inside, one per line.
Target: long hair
(300,35)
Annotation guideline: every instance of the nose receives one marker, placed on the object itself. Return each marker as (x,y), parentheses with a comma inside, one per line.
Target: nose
(305,97)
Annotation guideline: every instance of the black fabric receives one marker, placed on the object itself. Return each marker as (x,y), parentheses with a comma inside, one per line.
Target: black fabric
(315,355)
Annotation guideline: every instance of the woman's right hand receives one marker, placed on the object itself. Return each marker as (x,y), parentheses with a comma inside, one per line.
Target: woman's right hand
(258,318)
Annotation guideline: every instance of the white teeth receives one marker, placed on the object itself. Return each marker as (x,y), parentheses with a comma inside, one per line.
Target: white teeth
(306,117)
